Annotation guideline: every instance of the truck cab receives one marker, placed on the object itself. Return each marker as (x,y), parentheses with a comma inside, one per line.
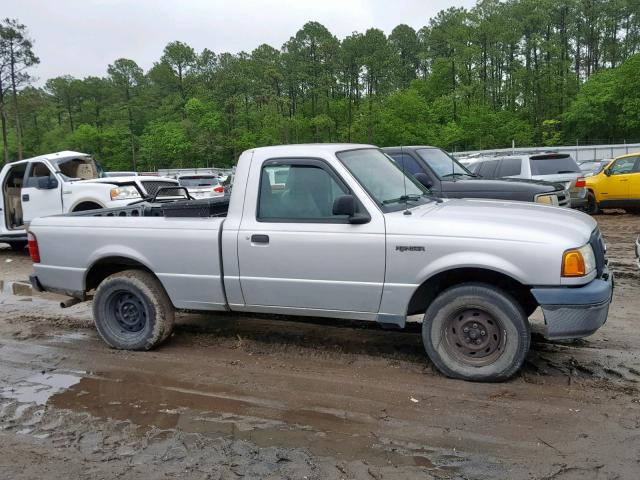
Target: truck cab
(58,183)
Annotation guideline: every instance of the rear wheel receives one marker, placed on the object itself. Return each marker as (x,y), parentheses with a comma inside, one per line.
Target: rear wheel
(592,204)
(132,311)
(476,332)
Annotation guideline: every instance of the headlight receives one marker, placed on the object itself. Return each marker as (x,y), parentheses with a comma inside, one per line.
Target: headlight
(124,193)
(578,262)
(547,199)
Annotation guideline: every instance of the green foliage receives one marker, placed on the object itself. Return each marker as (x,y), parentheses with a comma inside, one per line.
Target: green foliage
(608,105)
(539,72)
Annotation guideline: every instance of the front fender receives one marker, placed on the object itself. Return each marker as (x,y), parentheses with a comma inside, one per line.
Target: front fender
(471,259)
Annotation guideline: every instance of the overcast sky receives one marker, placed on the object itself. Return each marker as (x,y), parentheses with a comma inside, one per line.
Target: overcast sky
(81,37)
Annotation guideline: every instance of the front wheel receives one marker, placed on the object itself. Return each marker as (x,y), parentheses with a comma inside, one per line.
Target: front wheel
(132,311)
(476,332)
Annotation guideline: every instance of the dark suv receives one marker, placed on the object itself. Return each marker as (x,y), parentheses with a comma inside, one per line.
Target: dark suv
(447,178)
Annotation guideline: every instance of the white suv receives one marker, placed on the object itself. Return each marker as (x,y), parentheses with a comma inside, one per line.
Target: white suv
(549,166)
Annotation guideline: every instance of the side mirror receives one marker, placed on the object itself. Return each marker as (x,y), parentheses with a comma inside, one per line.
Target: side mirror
(346,205)
(607,172)
(423,179)
(47,183)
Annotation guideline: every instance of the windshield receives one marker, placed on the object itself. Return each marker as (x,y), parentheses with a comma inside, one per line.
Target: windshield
(83,168)
(383,179)
(198,181)
(441,163)
(553,165)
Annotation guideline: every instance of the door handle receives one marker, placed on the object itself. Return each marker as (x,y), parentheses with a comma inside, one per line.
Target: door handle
(259,238)
(25,197)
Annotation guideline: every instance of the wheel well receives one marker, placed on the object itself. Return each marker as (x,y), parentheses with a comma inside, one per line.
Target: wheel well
(432,287)
(84,206)
(108,266)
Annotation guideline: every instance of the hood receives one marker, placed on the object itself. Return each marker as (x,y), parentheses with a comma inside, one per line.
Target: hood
(127,180)
(507,185)
(495,220)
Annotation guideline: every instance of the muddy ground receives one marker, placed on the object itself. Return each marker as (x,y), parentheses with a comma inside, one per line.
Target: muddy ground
(243,397)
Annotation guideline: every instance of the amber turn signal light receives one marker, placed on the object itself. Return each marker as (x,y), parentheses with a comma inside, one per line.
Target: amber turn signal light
(573,264)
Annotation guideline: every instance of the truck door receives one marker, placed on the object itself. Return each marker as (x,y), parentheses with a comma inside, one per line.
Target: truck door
(293,252)
(634,181)
(616,185)
(41,192)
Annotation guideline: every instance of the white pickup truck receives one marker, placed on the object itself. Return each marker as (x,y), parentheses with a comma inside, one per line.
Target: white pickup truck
(336,231)
(59,183)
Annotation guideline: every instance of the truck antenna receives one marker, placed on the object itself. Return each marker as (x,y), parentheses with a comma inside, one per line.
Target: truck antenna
(404,179)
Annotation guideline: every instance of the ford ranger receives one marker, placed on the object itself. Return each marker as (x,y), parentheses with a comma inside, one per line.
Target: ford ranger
(336,231)
(62,182)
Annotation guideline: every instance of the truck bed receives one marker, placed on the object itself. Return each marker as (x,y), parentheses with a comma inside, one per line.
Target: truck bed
(204,208)
(178,241)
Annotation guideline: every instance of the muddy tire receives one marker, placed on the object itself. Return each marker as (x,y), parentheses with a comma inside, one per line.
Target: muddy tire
(592,207)
(476,332)
(17,246)
(132,311)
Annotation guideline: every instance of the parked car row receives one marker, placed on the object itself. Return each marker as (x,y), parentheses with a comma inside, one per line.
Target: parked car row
(446,177)
(338,230)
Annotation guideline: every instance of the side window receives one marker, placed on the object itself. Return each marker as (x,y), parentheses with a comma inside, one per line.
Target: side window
(488,169)
(298,192)
(623,165)
(636,168)
(407,162)
(36,171)
(509,167)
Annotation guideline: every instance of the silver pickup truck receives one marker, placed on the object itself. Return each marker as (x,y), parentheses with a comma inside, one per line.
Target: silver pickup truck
(336,231)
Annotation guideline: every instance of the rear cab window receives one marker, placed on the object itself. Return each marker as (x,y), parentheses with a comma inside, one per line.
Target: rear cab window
(553,164)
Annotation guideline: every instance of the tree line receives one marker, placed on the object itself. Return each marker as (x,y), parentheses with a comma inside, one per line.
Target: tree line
(536,72)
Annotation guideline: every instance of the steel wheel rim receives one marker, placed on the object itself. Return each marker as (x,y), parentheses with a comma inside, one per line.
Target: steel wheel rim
(128,311)
(474,336)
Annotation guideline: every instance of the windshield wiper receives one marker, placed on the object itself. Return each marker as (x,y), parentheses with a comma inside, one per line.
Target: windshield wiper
(403,198)
(453,174)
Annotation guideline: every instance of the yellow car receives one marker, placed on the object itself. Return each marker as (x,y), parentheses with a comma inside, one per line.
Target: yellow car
(616,186)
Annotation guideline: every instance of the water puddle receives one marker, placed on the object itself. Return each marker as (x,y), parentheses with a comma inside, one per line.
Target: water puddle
(215,411)
(16,293)
(40,388)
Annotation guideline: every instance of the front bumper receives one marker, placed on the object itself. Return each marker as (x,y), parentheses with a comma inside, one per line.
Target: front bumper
(575,312)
